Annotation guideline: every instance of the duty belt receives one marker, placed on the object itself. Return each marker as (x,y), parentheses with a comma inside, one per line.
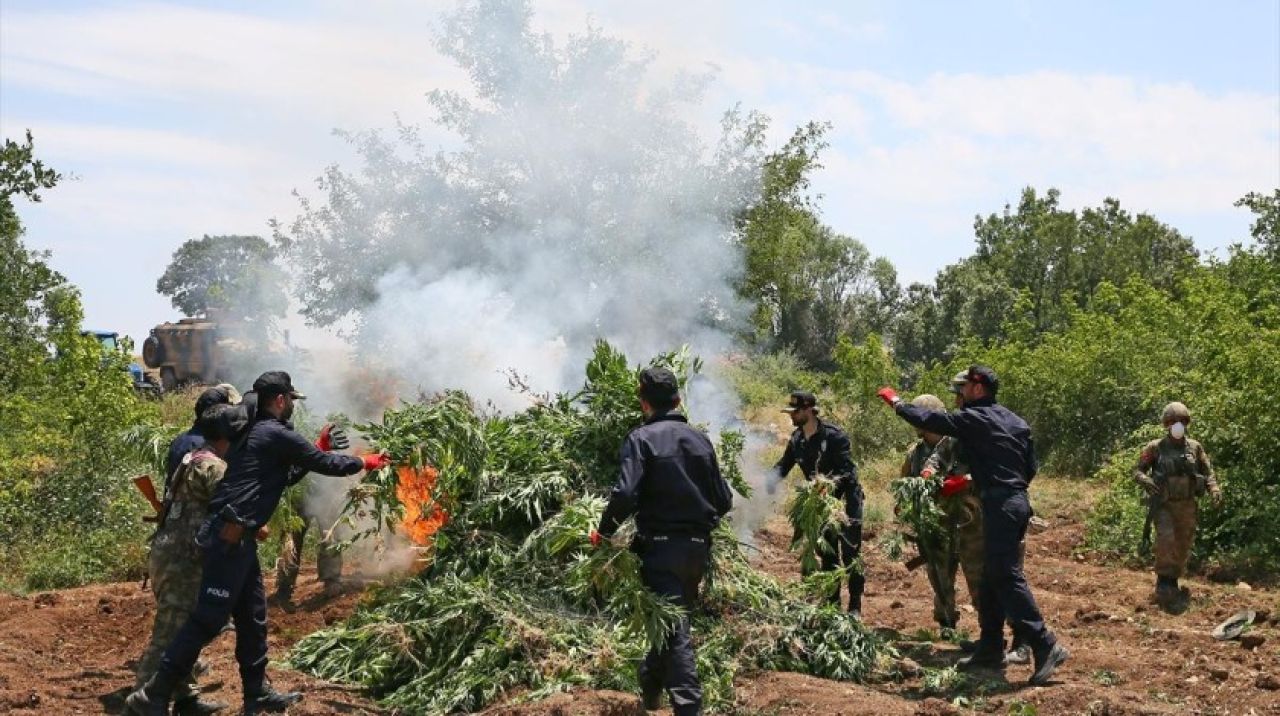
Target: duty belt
(666,538)
(1000,492)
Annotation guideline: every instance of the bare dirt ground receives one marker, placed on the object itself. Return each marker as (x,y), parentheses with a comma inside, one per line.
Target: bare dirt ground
(71,652)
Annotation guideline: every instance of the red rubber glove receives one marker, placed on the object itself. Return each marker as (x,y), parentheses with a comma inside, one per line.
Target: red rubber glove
(376,461)
(889,396)
(954,485)
(332,438)
(596,538)
(322,442)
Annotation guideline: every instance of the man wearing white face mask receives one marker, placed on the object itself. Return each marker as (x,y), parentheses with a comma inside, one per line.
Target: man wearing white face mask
(1174,471)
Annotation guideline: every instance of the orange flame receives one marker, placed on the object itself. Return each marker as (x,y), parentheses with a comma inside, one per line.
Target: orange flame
(423,516)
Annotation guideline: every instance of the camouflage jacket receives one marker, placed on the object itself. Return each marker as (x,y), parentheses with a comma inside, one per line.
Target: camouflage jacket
(917,457)
(190,491)
(1183,470)
(948,458)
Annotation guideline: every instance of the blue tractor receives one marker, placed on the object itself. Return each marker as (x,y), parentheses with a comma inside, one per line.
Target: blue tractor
(110,342)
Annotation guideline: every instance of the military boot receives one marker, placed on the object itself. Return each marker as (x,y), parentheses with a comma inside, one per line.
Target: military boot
(1166,592)
(194,706)
(268,700)
(153,698)
(984,656)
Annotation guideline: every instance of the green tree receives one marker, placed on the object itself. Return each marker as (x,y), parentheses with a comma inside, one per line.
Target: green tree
(63,405)
(1266,221)
(808,285)
(27,292)
(233,276)
(1043,262)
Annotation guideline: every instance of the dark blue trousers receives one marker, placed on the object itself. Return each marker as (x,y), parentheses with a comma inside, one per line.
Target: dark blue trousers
(230,588)
(673,567)
(846,547)
(1005,592)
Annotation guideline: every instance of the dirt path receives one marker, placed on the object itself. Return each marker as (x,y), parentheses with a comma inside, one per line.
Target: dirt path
(71,651)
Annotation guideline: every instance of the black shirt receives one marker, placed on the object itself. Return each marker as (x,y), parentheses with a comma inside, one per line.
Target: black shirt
(670,481)
(259,468)
(178,449)
(998,442)
(826,452)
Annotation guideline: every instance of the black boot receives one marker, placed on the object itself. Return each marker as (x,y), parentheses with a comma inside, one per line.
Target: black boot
(194,706)
(984,656)
(1047,661)
(153,698)
(268,700)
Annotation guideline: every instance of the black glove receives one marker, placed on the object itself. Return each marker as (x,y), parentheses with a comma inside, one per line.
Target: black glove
(338,439)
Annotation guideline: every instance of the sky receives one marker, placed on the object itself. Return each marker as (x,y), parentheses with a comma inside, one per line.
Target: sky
(173,120)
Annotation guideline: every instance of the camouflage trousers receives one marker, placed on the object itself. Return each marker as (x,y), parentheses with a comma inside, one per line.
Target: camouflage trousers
(959,550)
(1175,523)
(328,560)
(175,582)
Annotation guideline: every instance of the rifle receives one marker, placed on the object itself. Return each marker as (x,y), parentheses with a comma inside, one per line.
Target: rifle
(148,490)
(1145,546)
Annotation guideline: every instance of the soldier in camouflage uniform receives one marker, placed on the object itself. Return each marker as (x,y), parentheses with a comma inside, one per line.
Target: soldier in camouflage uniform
(328,559)
(940,556)
(175,563)
(1174,471)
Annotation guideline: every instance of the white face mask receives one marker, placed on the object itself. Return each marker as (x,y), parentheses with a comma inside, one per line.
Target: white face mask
(1177,430)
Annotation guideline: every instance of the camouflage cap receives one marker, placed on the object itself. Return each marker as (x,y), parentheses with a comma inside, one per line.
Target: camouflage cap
(217,395)
(928,401)
(958,381)
(233,395)
(1175,413)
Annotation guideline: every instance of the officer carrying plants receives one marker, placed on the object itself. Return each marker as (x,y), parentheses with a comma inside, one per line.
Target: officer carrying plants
(1002,462)
(671,482)
(820,448)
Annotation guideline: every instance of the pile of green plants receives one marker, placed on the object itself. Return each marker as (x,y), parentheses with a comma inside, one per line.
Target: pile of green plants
(516,601)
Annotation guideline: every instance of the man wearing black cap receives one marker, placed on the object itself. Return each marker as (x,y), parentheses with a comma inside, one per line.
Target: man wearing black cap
(820,448)
(1002,461)
(259,466)
(222,394)
(671,482)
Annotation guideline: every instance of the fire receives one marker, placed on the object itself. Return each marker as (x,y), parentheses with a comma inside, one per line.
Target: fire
(423,516)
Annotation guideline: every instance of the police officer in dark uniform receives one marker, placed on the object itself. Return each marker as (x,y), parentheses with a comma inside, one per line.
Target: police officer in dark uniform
(259,465)
(671,482)
(1002,461)
(820,448)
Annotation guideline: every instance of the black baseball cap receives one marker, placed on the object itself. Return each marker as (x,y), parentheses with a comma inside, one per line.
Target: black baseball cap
(658,384)
(276,382)
(210,397)
(983,375)
(800,399)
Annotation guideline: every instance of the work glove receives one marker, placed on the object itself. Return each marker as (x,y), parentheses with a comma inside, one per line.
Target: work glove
(889,396)
(263,533)
(1216,495)
(596,538)
(1149,485)
(376,461)
(332,438)
(926,473)
(954,485)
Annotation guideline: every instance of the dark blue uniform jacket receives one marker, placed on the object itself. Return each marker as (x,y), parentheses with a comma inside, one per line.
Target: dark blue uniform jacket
(260,465)
(670,481)
(997,441)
